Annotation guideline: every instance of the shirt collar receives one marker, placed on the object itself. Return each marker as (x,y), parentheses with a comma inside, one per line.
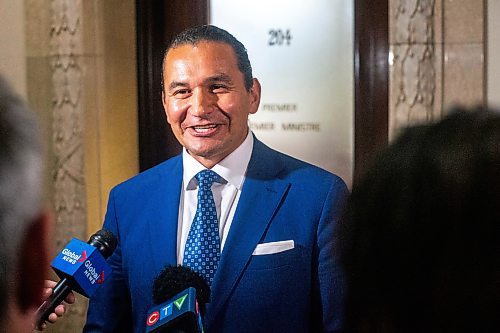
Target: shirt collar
(232,168)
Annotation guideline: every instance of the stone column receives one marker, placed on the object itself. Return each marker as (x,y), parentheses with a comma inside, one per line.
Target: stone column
(414,62)
(67,118)
(436,58)
(55,89)
(81,78)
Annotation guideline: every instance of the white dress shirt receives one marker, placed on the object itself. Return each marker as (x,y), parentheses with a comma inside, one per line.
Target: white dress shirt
(226,195)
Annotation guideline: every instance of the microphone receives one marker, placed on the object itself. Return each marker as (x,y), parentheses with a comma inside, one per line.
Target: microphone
(82,267)
(182,295)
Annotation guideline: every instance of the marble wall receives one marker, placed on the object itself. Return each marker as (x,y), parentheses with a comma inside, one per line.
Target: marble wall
(12,44)
(493,53)
(436,58)
(81,79)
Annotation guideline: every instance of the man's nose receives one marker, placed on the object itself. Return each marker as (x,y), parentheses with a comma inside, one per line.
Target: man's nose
(202,102)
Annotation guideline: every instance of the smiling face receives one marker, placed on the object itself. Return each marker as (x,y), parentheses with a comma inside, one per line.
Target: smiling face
(205,100)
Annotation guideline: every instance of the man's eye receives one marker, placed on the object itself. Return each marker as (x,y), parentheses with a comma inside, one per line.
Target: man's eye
(181,92)
(218,88)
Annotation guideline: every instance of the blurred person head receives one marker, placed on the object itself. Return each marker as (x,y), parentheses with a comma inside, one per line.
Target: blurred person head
(24,225)
(420,237)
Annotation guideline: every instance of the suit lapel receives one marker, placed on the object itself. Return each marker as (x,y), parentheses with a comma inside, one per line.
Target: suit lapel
(165,209)
(260,198)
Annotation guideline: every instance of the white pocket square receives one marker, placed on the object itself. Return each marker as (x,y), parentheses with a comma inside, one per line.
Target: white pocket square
(273,247)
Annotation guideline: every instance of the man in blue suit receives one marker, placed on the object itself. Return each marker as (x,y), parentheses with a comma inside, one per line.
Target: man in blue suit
(276,270)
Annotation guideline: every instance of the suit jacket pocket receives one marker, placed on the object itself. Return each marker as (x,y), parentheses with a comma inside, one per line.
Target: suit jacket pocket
(293,256)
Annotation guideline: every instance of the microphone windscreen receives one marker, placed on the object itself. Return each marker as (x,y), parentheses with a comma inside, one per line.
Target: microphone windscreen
(105,241)
(175,279)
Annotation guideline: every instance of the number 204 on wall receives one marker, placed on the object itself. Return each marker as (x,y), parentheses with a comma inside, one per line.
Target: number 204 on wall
(278,37)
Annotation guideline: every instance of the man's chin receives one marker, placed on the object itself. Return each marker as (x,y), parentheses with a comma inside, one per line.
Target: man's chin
(204,147)
(205,153)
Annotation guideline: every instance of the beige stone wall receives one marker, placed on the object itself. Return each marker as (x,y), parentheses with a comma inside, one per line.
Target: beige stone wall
(464,47)
(437,58)
(12,44)
(112,130)
(81,79)
(493,55)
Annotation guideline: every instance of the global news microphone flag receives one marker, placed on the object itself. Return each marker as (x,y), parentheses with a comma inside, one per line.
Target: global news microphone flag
(82,267)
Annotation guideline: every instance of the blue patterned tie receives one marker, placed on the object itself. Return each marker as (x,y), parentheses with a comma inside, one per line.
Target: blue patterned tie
(202,250)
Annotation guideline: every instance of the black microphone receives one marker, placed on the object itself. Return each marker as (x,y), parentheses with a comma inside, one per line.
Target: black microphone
(181,295)
(82,267)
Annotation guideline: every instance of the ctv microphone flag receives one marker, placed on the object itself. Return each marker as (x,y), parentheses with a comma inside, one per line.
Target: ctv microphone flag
(182,294)
(179,314)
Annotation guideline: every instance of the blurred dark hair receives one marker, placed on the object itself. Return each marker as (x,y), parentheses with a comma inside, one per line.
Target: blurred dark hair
(419,239)
(211,33)
(20,183)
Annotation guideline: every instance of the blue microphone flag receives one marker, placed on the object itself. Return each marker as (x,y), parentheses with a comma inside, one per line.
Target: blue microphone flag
(180,312)
(83,265)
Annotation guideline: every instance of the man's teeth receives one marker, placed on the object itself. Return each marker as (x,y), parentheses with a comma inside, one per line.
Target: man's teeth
(203,129)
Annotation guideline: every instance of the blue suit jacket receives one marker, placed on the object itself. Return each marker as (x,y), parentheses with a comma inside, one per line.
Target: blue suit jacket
(298,290)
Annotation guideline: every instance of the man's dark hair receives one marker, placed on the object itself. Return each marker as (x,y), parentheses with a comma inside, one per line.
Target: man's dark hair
(211,33)
(419,239)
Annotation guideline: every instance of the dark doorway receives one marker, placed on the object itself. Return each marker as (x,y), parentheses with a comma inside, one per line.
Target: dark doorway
(157,23)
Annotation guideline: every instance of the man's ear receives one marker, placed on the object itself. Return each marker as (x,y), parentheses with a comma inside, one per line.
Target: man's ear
(34,260)
(254,96)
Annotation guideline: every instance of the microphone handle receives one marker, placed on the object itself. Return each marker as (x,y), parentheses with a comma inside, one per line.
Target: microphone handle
(61,290)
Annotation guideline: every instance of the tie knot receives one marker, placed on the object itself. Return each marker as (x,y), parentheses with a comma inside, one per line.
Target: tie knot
(206,178)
